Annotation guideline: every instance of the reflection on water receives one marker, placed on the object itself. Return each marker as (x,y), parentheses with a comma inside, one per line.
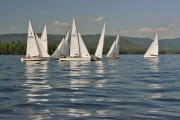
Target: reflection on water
(130,88)
(36,87)
(153,63)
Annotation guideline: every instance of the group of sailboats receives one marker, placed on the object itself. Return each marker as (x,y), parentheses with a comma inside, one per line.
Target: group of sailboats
(36,48)
(72,47)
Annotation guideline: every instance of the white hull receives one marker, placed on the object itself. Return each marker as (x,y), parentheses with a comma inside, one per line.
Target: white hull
(74,59)
(35,59)
(151,56)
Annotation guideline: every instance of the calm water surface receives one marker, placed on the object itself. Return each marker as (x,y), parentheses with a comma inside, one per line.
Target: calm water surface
(130,88)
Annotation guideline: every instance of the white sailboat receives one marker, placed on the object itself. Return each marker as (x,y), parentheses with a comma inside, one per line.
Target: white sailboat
(153,50)
(63,48)
(35,50)
(114,50)
(44,38)
(99,50)
(78,50)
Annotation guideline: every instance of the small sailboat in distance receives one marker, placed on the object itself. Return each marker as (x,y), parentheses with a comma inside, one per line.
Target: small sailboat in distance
(114,50)
(153,50)
(78,50)
(63,48)
(35,50)
(99,50)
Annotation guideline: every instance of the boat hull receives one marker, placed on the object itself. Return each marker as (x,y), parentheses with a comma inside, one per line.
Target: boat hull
(35,59)
(74,59)
(114,57)
(151,56)
(53,58)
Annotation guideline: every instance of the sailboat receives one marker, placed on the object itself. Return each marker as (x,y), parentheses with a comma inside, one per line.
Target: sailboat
(44,38)
(35,50)
(99,50)
(63,48)
(153,50)
(114,50)
(78,50)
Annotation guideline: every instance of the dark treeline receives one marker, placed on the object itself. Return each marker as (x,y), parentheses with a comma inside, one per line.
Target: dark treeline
(20,49)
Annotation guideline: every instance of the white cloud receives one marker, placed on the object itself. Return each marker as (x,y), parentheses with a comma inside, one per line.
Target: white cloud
(145,30)
(57,29)
(178,19)
(161,30)
(171,25)
(13,28)
(148,30)
(97,19)
(126,31)
(59,24)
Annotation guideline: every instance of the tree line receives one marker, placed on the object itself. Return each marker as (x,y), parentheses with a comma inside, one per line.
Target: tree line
(19,48)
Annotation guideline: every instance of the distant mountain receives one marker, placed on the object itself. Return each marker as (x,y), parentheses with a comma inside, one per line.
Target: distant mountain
(91,41)
(164,44)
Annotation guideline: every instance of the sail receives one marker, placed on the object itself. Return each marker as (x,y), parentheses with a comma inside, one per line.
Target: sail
(44,39)
(155,48)
(83,50)
(42,51)
(57,53)
(99,49)
(114,50)
(110,53)
(31,49)
(74,48)
(66,44)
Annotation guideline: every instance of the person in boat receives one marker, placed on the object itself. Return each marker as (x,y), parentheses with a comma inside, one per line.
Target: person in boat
(116,56)
(28,56)
(94,58)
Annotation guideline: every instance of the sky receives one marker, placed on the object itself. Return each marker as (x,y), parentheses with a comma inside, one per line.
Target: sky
(132,18)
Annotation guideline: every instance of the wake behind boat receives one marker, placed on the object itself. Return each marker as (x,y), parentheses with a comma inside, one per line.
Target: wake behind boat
(35,50)
(153,50)
(78,50)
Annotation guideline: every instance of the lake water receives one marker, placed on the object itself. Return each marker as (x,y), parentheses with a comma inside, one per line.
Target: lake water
(131,88)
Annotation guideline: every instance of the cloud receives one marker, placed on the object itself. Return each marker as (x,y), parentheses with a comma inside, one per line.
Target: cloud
(178,19)
(126,31)
(57,30)
(148,30)
(161,30)
(59,24)
(13,28)
(97,19)
(171,25)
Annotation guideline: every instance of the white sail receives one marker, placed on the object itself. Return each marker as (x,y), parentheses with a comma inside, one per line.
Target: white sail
(114,51)
(42,51)
(74,48)
(83,50)
(57,53)
(99,49)
(153,49)
(110,53)
(66,44)
(44,38)
(31,49)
